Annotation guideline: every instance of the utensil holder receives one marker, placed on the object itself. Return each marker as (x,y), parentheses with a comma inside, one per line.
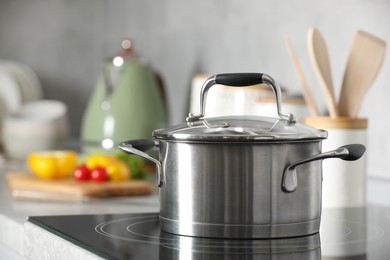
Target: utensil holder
(344,183)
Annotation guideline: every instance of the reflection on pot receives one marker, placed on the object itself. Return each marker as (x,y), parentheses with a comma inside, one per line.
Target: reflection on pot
(188,248)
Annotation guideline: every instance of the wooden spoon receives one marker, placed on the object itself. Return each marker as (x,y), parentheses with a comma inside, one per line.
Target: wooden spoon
(364,62)
(320,60)
(301,78)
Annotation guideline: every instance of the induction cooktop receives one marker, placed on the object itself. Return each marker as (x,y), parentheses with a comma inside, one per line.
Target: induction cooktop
(351,233)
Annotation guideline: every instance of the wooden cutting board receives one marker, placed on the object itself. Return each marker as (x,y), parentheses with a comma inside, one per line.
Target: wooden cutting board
(28,186)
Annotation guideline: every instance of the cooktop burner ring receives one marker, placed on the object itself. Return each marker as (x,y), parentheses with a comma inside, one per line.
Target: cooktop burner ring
(128,228)
(203,245)
(100,229)
(344,232)
(367,232)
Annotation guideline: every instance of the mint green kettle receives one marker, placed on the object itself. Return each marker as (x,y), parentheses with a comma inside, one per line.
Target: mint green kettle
(127,103)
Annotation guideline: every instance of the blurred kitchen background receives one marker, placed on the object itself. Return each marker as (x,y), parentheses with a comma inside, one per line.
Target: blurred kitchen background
(66,41)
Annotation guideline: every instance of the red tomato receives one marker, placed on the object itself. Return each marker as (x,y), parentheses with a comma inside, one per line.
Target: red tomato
(82,173)
(99,174)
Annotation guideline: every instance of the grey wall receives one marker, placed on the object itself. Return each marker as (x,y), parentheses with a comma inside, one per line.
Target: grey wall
(65,41)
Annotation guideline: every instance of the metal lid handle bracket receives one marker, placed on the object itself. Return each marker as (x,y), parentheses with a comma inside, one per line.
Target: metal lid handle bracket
(238,80)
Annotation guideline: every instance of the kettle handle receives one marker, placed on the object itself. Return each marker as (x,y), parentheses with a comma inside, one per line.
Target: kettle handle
(138,147)
(238,80)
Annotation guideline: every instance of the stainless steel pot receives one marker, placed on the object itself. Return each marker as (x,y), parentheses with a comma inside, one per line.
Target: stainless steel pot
(240,176)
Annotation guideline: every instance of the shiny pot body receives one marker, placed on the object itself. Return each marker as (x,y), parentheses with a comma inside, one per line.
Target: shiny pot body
(234,190)
(240,176)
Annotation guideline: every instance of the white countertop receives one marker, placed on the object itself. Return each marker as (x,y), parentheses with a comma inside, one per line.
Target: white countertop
(27,239)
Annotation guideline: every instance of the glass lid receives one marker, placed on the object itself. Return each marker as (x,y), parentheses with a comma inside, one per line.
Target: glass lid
(240,128)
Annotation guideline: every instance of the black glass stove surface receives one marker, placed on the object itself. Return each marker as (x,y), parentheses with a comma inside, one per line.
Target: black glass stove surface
(354,233)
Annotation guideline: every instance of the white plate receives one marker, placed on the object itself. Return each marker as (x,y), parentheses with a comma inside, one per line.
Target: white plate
(35,87)
(3,111)
(27,80)
(14,72)
(10,92)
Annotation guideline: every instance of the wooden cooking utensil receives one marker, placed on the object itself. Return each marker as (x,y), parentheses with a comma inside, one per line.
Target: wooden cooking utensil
(364,62)
(320,60)
(301,78)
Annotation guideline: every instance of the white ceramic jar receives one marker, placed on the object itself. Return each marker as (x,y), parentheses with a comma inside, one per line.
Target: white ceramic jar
(344,183)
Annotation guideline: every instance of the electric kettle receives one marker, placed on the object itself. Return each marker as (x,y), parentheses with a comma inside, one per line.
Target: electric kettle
(127,102)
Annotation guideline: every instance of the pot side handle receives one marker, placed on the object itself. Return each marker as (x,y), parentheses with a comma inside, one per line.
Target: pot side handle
(139,147)
(349,152)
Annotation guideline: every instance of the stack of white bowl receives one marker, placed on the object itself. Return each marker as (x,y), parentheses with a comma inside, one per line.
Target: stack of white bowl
(27,122)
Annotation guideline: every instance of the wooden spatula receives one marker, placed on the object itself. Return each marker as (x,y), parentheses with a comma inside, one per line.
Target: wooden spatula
(365,60)
(318,52)
(309,99)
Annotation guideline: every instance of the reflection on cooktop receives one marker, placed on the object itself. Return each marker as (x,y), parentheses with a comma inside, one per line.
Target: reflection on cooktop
(345,234)
(146,229)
